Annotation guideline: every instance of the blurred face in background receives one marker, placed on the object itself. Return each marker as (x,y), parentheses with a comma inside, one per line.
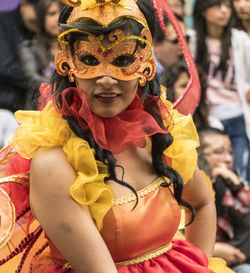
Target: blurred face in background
(218,15)
(180,84)
(28,15)
(218,151)
(178,7)
(242,8)
(51,19)
(169,50)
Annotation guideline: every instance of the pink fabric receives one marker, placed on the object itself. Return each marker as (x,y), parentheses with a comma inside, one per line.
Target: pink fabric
(220,91)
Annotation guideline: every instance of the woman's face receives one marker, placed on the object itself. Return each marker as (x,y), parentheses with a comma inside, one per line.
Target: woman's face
(242,8)
(51,19)
(218,15)
(180,84)
(218,151)
(107,96)
(177,7)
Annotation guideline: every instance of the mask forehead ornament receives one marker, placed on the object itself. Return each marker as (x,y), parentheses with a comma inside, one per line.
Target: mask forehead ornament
(119,55)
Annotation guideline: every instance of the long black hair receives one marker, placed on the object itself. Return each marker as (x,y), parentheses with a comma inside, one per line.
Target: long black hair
(202,57)
(159,141)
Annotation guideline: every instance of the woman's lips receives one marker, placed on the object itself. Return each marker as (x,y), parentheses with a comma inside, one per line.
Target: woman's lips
(107,98)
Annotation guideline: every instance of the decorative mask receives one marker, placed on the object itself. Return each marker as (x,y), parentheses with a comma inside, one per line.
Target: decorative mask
(118,55)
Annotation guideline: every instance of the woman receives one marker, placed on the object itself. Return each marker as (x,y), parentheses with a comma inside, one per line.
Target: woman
(175,79)
(214,55)
(232,201)
(96,148)
(37,55)
(242,12)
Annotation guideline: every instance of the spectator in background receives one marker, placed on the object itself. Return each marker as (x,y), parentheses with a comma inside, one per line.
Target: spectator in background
(214,55)
(232,198)
(241,49)
(175,79)
(178,7)
(37,54)
(242,12)
(167,49)
(15,26)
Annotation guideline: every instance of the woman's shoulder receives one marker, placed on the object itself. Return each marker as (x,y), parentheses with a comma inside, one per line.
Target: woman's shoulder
(49,164)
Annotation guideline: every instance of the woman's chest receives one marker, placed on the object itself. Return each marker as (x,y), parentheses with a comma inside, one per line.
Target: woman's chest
(130,231)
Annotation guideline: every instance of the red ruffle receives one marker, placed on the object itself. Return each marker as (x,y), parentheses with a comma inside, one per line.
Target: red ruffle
(121,132)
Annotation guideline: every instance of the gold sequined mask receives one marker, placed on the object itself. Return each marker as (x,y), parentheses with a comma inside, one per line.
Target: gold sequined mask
(118,55)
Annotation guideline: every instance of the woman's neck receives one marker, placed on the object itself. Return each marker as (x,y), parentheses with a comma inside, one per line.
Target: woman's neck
(214,31)
(246,24)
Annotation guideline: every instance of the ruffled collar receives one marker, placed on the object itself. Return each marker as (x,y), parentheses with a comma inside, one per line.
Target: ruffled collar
(47,128)
(121,132)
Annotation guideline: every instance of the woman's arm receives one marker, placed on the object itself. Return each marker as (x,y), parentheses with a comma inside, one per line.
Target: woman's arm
(67,224)
(202,231)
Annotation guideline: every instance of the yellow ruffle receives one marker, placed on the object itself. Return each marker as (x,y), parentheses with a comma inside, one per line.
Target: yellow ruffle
(183,152)
(47,129)
(39,129)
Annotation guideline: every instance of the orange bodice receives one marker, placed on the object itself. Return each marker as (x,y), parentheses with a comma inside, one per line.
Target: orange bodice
(130,233)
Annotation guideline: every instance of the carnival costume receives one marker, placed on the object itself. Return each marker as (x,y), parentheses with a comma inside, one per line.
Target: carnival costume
(153,249)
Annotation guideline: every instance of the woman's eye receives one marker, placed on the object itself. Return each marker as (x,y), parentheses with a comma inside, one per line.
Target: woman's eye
(88,60)
(123,60)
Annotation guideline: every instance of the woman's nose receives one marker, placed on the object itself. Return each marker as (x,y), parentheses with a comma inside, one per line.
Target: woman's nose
(106,81)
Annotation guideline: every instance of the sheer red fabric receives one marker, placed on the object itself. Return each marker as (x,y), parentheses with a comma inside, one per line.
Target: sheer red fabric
(141,119)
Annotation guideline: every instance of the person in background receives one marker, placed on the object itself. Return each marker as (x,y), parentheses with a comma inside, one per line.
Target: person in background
(241,49)
(178,7)
(15,26)
(167,49)
(242,12)
(175,79)
(214,55)
(232,198)
(37,55)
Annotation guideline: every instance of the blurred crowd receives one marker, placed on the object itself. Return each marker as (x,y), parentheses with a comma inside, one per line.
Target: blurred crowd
(219,42)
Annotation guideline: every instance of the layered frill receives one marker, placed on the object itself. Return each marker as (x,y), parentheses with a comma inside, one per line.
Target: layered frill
(47,128)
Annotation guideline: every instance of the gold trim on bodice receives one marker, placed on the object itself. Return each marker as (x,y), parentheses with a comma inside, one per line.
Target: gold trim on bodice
(131,197)
(147,256)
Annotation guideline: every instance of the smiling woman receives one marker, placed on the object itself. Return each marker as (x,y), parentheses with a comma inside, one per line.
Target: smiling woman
(107,165)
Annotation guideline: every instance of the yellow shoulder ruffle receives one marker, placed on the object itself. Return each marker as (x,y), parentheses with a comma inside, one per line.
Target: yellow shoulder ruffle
(182,151)
(46,128)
